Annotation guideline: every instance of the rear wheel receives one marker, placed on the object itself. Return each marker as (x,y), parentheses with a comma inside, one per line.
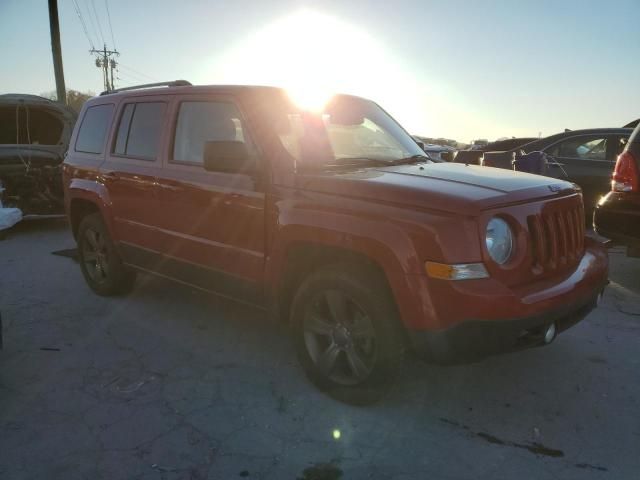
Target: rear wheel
(100,263)
(347,334)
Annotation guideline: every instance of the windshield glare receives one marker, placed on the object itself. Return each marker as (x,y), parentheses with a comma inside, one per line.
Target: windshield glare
(348,130)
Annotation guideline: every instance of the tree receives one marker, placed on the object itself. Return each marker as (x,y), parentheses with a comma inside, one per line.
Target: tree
(75,99)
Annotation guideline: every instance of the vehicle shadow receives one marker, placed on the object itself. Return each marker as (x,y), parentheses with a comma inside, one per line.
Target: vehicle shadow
(249,337)
(34,224)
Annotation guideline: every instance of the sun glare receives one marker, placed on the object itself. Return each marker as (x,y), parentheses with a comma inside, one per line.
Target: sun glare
(314,55)
(309,97)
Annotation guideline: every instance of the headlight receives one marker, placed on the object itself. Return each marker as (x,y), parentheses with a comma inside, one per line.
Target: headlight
(499,239)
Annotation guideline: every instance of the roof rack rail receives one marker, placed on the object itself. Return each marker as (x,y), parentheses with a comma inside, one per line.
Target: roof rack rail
(173,83)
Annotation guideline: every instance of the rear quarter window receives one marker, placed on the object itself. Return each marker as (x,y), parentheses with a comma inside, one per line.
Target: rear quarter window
(93,129)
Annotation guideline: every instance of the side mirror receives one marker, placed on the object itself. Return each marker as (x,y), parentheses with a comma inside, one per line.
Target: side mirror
(228,157)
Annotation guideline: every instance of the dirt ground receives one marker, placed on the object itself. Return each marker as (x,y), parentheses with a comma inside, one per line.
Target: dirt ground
(170,383)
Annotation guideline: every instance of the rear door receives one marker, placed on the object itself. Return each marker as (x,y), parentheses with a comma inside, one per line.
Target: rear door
(213,222)
(587,160)
(131,169)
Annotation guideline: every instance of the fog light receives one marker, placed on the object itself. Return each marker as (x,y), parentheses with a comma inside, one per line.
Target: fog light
(550,333)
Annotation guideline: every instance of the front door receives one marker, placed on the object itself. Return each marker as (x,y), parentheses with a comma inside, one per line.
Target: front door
(213,222)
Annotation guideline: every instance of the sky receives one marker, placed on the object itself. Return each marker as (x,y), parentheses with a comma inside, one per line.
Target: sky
(453,69)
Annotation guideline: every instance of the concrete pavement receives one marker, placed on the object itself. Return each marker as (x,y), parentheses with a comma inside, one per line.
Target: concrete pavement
(170,383)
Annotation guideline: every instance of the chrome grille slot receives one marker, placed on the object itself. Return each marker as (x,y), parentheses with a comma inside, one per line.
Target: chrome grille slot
(556,238)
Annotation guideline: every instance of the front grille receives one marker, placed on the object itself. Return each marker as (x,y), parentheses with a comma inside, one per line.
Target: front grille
(557,238)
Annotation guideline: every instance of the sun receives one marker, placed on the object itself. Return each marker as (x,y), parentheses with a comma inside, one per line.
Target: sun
(314,55)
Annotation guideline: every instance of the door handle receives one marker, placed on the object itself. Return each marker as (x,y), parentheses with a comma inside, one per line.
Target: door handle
(172,186)
(230,198)
(112,176)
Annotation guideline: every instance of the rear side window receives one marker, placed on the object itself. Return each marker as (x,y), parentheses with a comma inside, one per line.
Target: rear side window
(201,122)
(93,129)
(140,129)
(584,148)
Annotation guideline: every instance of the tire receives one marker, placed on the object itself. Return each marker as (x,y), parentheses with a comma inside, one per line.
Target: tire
(347,334)
(100,262)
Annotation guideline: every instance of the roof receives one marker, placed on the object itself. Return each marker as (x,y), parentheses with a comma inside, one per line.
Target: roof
(168,88)
(178,87)
(546,141)
(587,131)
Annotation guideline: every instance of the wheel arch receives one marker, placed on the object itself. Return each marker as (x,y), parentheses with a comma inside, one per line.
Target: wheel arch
(305,257)
(79,208)
(86,197)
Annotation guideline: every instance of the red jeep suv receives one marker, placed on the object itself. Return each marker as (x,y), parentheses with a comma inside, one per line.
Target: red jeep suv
(334,219)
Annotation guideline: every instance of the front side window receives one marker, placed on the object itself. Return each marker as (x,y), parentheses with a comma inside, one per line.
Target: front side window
(585,148)
(202,122)
(140,129)
(93,129)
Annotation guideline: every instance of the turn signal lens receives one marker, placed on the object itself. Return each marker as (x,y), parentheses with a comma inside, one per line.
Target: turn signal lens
(460,271)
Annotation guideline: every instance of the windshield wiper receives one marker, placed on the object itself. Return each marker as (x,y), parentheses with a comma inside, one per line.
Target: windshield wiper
(374,162)
(357,161)
(419,158)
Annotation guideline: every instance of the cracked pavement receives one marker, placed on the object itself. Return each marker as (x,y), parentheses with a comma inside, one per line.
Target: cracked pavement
(171,383)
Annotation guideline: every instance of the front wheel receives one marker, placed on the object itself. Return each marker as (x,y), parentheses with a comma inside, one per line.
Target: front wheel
(100,263)
(347,334)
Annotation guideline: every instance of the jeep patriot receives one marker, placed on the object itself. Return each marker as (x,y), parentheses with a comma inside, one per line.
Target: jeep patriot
(334,219)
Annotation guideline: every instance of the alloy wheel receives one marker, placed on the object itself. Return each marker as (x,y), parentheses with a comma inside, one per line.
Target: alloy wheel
(95,255)
(340,338)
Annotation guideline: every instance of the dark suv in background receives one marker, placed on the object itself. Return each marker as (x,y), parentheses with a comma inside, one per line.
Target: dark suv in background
(617,215)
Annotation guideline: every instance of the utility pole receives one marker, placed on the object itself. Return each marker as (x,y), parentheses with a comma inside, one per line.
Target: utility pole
(106,63)
(56,50)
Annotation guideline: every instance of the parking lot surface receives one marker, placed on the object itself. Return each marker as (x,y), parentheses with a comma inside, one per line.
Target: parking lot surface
(171,383)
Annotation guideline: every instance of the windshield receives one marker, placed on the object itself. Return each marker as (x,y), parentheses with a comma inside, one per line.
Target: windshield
(347,130)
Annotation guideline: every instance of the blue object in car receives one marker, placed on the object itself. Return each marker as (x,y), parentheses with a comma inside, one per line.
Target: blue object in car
(532,162)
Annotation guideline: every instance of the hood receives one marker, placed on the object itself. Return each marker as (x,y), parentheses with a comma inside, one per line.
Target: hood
(35,124)
(66,113)
(449,187)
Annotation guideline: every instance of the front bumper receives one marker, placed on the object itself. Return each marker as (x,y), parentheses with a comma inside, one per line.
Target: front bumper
(476,339)
(469,320)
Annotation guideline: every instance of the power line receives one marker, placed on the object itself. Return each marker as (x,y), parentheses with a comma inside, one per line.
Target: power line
(95,12)
(130,76)
(128,81)
(134,71)
(84,25)
(106,4)
(94,30)
(135,74)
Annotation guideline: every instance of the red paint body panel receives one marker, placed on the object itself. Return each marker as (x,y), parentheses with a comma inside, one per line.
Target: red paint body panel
(399,217)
